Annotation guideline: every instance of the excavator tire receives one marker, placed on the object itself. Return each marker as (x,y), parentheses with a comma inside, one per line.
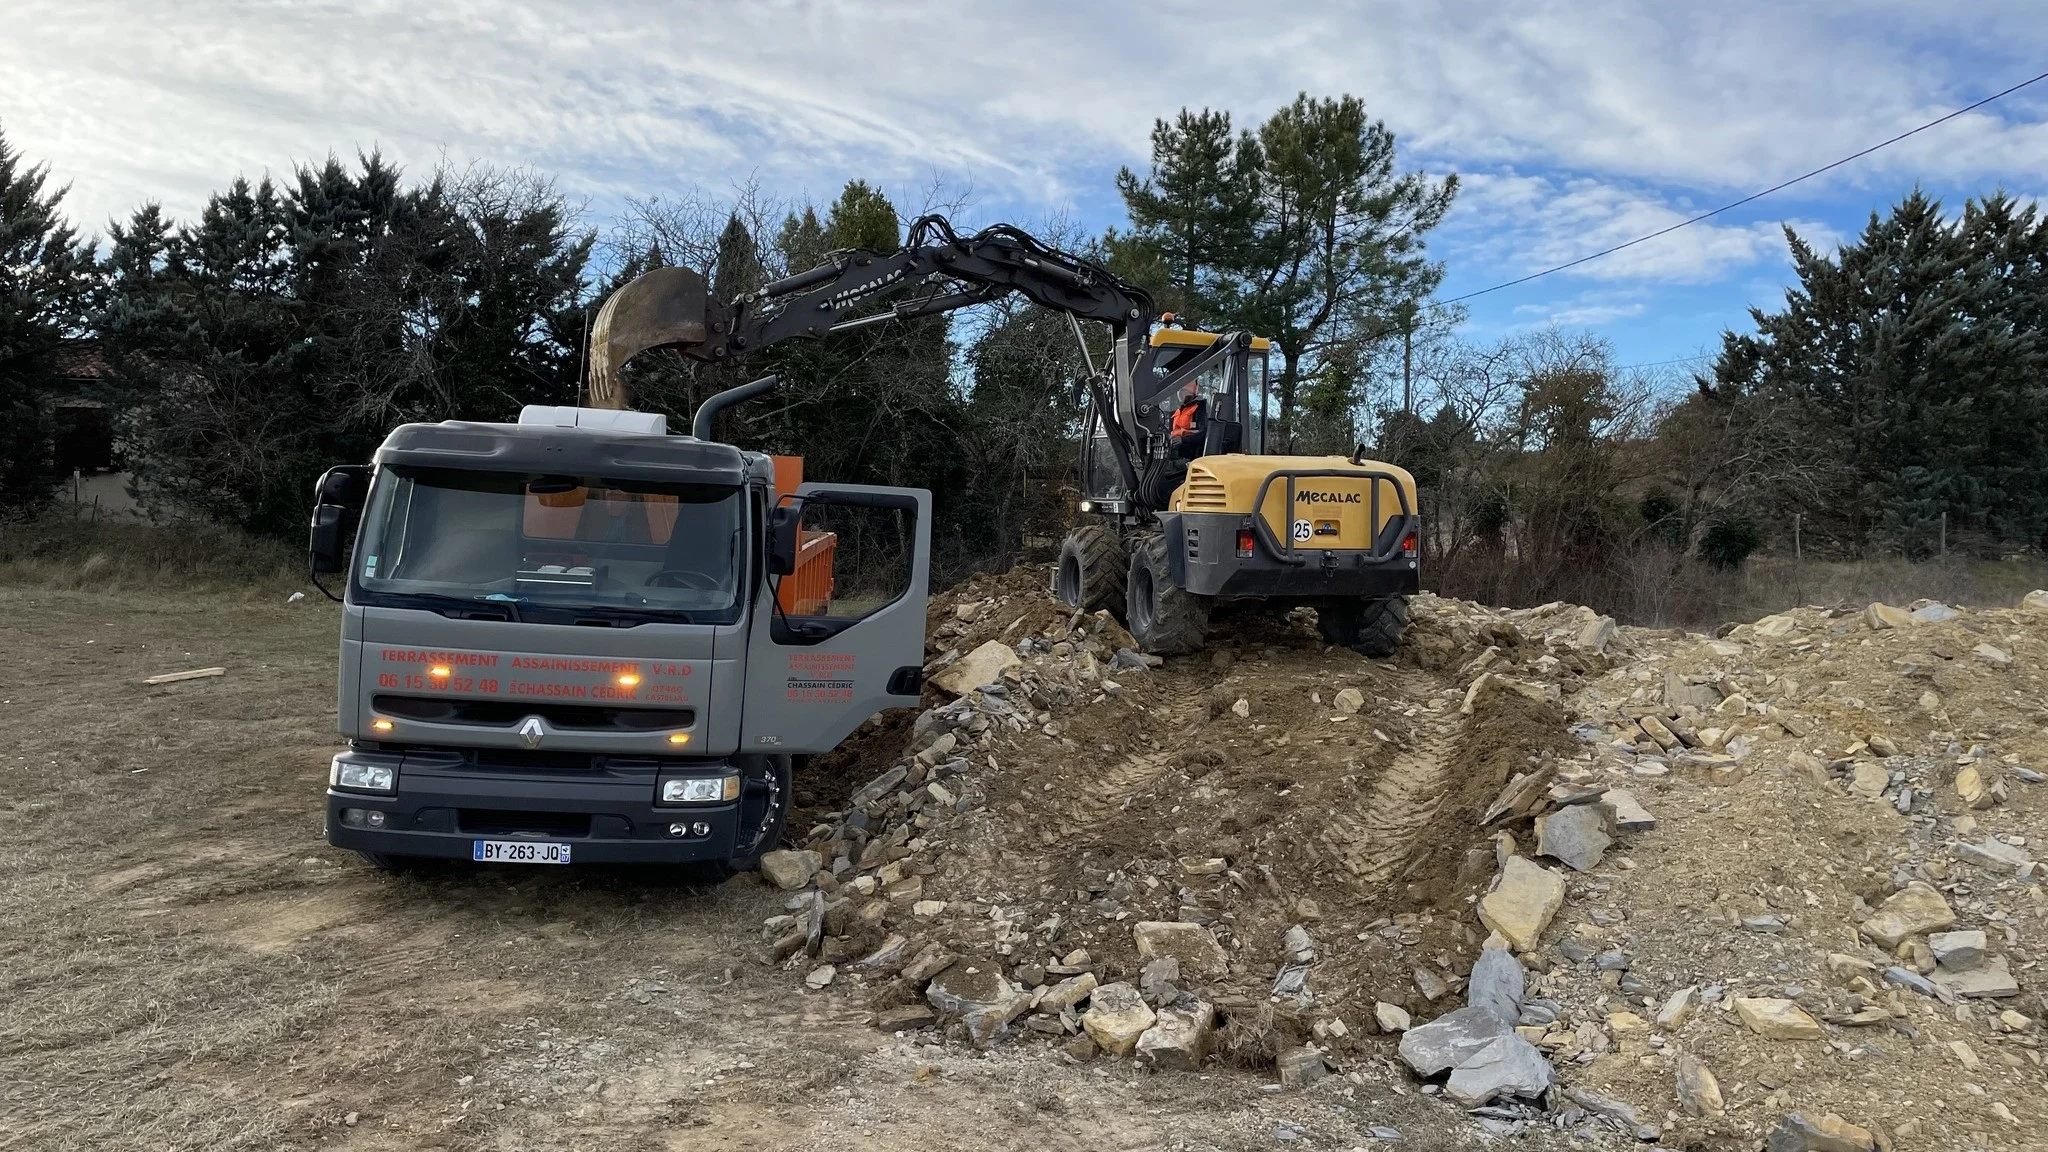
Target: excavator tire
(1165,619)
(1370,627)
(1091,571)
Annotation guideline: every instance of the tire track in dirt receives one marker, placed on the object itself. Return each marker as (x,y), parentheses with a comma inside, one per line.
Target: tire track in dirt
(1375,841)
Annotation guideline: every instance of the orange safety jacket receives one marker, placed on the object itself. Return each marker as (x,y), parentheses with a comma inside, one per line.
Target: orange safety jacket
(1184,419)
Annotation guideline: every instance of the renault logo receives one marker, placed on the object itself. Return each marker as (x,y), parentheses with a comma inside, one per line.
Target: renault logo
(530,732)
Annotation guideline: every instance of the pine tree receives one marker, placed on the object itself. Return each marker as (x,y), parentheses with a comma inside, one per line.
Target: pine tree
(46,279)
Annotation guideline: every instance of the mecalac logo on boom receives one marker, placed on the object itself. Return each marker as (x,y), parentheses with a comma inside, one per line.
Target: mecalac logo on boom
(530,732)
(1328,498)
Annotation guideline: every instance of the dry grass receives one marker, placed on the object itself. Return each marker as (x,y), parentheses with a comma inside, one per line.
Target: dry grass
(58,550)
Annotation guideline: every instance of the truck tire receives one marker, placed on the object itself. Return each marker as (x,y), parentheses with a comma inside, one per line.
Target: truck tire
(1091,571)
(765,795)
(1370,627)
(1165,619)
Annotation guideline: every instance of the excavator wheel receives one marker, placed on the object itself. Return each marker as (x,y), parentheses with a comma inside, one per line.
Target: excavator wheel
(1371,627)
(1091,571)
(1165,619)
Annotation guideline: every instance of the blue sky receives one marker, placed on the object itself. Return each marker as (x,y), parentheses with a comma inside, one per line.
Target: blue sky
(1573,125)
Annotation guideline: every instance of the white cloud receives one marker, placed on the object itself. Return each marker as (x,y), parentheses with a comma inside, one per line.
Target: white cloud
(1569,116)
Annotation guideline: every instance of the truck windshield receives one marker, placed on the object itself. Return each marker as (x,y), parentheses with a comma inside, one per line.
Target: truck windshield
(549,547)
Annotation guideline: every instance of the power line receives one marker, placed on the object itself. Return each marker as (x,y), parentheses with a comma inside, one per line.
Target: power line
(1661,363)
(1746,199)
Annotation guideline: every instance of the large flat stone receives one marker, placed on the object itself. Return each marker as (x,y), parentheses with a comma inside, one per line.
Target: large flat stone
(1179,1039)
(1776,1018)
(1522,902)
(1625,812)
(1799,1132)
(1883,616)
(1911,910)
(1576,835)
(1451,1039)
(1191,944)
(984,665)
(1506,1066)
(1958,951)
(1991,979)
(1117,1017)
(1497,984)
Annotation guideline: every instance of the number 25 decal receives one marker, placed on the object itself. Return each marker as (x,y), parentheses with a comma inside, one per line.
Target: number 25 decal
(1301,530)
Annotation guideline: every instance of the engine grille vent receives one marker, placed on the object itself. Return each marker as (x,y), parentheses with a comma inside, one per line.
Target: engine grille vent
(1205,493)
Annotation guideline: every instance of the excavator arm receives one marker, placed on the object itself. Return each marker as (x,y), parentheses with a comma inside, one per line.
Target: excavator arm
(936,271)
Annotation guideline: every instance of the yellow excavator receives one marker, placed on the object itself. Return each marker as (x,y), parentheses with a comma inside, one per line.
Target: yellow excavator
(1181,509)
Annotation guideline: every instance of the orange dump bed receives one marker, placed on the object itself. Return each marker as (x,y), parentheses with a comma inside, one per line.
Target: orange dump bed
(808,590)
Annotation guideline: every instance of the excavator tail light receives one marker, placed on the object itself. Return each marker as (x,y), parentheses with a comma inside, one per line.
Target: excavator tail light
(1408,544)
(1244,541)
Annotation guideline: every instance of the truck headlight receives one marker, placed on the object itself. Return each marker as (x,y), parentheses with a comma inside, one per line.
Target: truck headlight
(699,789)
(362,777)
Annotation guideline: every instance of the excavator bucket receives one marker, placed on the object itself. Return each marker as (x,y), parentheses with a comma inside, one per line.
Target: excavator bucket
(664,308)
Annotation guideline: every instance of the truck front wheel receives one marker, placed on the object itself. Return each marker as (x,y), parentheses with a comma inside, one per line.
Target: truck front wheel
(766,787)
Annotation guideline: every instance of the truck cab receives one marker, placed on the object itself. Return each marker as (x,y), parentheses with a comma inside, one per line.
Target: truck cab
(579,639)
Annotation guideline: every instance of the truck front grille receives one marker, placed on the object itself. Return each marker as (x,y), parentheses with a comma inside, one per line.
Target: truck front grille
(508,714)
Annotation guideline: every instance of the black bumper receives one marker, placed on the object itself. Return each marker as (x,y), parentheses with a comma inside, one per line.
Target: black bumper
(605,817)
(1203,547)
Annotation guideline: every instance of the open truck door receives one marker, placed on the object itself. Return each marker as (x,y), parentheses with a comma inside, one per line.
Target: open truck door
(841,636)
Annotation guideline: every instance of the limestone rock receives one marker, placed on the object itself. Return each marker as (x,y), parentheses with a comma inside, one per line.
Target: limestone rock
(1869,780)
(789,870)
(1911,910)
(1451,1039)
(1617,1111)
(2035,601)
(1067,994)
(1349,701)
(1990,979)
(1524,899)
(907,1018)
(1625,812)
(1678,1008)
(1883,745)
(1775,627)
(1776,1019)
(1577,835)
(1300,1067)
(1935,613)
(1799,1133)
(1117,1017)
(1391,1017)
(1993,855)
(1191,944)
(985,665)
(1883,616)
(1506,1066)
(1497,984)
(1595,634)
(1971,788)
(1698,1092)
(1179,1039)
(1958,951)
(1430,984)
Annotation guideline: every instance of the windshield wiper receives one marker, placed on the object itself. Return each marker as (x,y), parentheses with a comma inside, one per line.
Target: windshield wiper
(471,607)
(511,604)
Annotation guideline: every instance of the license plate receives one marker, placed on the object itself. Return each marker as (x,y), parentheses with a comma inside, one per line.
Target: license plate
(520,852)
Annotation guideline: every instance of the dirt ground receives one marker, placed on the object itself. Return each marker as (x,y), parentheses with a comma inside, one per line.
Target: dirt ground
(185,964)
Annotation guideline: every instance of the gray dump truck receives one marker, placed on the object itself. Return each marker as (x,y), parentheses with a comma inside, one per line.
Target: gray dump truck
(579,639)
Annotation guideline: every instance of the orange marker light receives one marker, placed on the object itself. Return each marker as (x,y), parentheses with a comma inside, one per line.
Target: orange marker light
(679,737)
(380,724)
(628,679)
(439,670)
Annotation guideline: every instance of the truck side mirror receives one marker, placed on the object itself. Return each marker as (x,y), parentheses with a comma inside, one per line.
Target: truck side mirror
(337,501)
(782,525)
(323,549)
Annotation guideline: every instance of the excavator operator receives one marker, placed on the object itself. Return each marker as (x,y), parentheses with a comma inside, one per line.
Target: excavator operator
(1190,422)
